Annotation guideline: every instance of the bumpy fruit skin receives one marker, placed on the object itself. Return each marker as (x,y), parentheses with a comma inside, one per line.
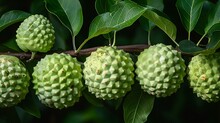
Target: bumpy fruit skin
(35,34)
(204,76)
(57,80)
(160,70)
(108,73)
(14,81)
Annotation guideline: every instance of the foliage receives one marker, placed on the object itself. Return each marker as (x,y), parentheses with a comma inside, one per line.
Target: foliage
(192,26)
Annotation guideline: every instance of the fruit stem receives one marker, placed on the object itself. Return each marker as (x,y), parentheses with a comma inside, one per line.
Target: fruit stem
(189,35)
(80,47)
(114,40)
(32,56)
(74,43)
(148,37)
(200,39)
(109,42)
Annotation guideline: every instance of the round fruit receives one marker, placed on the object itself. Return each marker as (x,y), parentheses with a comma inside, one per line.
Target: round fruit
(35,34)
(57,80)
(204,76)
(14,81)
(109,73)
(160,70)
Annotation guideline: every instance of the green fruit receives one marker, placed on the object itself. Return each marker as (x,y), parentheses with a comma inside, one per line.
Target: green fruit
(108,73)
(204,76)
(160,70)
(35,34)
(57,80)
(14,81)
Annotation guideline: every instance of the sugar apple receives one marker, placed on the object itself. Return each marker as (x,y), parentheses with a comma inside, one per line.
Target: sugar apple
(14,81)
(160,70)
(35,34)
(204,76)
(108,73)
(57,80)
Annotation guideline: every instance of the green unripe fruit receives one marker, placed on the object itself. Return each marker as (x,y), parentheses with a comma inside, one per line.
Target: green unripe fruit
(35,34)
(108,73)
(204,76)
(14,81)
(57,80)
(160,70)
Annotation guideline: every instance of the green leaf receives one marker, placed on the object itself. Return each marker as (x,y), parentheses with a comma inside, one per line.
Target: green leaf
(157,4)
(30,106)
(62,35)
(137,106)
(203,20)
(122,15)
(213,19)
(189,11)
(191,48)
(214,43)
(102,6)
(12,17)
(159,19)
(92,99)
(69,12)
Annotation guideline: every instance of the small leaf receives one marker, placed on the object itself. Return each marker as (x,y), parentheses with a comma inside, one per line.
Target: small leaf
(159,19)
(137,106)
(69,12)
(122,15)
(189,47)
(189,11)
(12,17)
(213,19)
(92,99)
(103,6)
(29,105)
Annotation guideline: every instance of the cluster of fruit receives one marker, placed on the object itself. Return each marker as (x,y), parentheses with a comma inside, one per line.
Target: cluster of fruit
(108,72)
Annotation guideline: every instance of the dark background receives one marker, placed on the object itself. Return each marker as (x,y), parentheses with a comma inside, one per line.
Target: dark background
(181,107)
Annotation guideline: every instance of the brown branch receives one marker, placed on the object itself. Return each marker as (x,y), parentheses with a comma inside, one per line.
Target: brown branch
(84,52)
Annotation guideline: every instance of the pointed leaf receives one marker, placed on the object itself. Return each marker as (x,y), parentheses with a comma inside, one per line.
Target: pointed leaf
(189,11)
(69,12)
(157,4)
(214,43)
(122,15)
(213,19)
(12,17)
(103,6)
(203,20)
(191,48)
(137,106)
(159,19)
